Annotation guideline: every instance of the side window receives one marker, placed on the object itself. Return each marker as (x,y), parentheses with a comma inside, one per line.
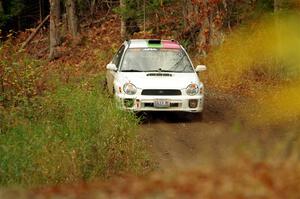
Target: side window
(117,58)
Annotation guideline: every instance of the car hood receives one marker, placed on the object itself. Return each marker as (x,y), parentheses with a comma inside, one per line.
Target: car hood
(152,80)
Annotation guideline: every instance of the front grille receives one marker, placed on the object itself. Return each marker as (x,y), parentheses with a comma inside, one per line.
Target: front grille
(148,104)
(161,92)
(172,105)
(160,74)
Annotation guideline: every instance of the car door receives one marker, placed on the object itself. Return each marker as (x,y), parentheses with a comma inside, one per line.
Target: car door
(110,74)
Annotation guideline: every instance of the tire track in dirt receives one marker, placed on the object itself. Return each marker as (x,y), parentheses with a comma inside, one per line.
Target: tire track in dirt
(180,141)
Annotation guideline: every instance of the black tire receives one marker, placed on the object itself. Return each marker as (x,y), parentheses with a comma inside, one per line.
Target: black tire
(200,116)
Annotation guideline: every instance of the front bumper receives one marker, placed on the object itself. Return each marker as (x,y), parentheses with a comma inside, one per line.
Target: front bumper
(147,103)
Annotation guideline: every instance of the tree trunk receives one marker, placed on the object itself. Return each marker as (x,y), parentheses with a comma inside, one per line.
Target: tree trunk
(276,6)
(185,11)
(205,33)
(40,10)
(92,8)
(1,8)
(54,28)
(123,23)
(72,19)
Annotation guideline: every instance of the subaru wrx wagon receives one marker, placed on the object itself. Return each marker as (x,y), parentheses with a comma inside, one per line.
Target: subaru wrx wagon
(155,75)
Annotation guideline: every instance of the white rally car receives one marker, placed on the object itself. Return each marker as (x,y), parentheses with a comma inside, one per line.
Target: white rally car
(155,75)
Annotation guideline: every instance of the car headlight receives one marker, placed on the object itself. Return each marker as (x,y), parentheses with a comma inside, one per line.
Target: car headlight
(129,89)
(192,89)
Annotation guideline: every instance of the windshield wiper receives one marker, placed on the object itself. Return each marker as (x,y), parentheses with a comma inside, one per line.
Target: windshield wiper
(132,70)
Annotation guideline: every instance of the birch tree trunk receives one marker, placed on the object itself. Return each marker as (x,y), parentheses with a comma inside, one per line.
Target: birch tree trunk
(72,18)
(123,23)
(54,28)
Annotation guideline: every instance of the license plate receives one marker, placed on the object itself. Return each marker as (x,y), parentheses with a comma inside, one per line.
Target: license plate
(162,103)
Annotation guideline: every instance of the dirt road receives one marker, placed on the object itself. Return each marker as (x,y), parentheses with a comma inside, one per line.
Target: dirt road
(178,141)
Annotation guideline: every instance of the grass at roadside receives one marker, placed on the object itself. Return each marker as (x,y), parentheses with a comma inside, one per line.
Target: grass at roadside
(56,123)
(75,133)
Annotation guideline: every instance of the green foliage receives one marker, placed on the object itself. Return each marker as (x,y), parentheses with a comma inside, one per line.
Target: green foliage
(135,9)
(83,4)
(15,7)
(76,133)
(9,9)
(265,5)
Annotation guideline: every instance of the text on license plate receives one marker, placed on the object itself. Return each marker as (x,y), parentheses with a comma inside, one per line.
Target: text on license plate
(161,103)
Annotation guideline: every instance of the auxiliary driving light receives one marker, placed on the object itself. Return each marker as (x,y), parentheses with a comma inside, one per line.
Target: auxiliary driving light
(128,103)
(193,103)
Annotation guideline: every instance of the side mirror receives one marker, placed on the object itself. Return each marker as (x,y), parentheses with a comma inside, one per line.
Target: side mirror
(200,68)
(111,67)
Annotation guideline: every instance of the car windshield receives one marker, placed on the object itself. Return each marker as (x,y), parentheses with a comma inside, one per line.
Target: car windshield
(155,59)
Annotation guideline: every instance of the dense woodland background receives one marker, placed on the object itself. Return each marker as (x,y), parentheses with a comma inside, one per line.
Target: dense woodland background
(196,23)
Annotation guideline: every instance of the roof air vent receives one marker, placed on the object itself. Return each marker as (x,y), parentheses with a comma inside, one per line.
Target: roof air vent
(154,41)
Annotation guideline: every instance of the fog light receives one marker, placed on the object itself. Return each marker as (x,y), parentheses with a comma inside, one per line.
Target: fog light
(128,103)
(193,103)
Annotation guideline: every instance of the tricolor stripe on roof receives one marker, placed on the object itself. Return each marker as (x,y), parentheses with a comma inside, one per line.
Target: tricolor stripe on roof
(143,43)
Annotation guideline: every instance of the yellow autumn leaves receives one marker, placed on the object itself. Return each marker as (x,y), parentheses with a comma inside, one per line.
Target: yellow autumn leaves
(262,59)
